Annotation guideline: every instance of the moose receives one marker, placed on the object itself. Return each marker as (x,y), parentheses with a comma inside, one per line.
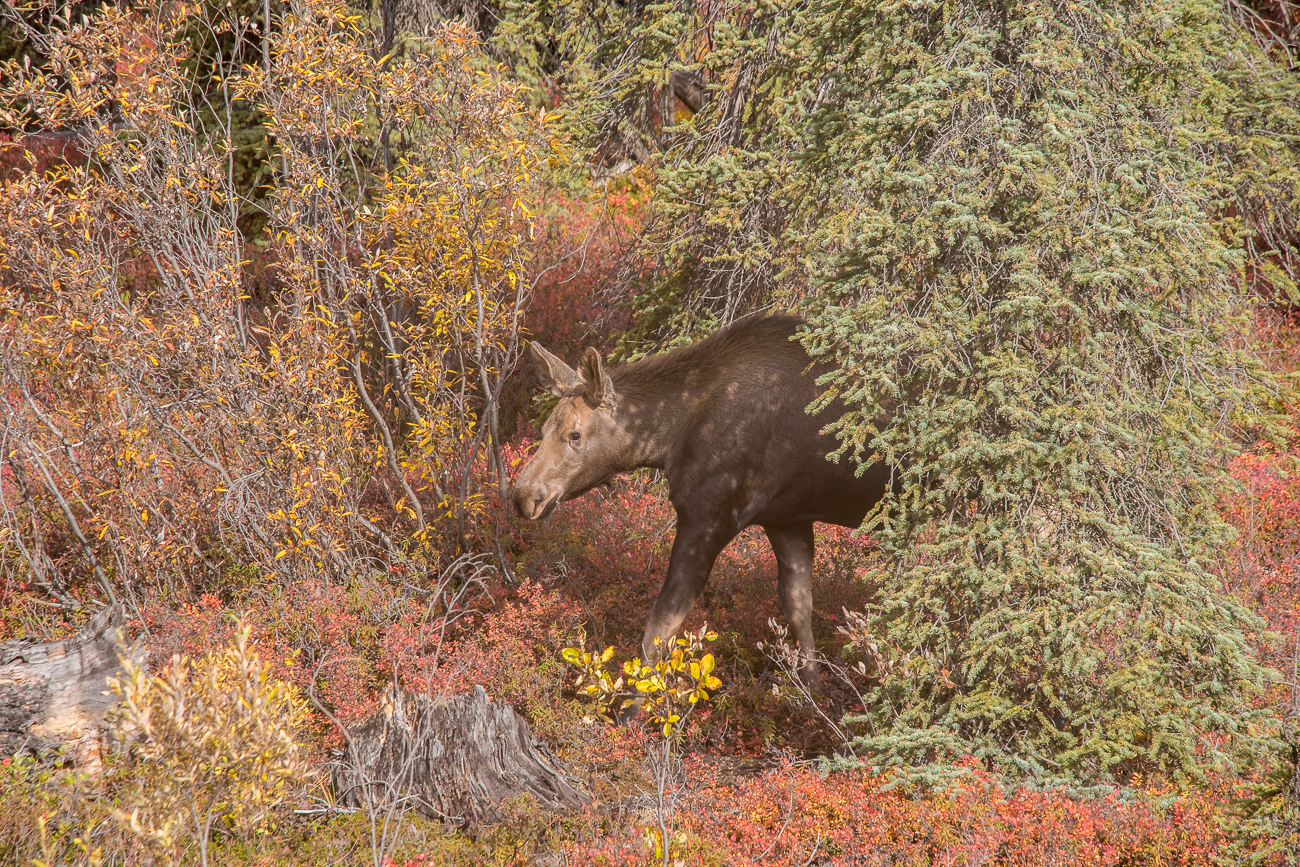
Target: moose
(727,421)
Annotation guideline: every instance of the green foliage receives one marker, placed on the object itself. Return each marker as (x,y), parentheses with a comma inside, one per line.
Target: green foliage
(722,209)
(560,44)
(1032,303)
(1020,232)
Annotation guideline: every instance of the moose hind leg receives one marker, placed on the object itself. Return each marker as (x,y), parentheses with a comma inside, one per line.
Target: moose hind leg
(694,550)
(793,545)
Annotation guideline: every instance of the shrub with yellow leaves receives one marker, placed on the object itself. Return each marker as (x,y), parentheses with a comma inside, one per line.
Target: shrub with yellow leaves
(173,425)
(667,690)
(211,745)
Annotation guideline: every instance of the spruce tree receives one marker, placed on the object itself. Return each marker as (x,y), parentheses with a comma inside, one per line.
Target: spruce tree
(1024,257)
(1020,231)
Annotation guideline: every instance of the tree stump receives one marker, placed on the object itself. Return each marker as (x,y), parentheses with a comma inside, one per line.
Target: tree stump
(456,759)
(53,694)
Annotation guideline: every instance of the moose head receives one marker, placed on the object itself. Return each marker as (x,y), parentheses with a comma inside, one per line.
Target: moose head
(583,443)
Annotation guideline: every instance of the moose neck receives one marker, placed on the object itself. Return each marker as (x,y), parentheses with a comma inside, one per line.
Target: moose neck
(652,412)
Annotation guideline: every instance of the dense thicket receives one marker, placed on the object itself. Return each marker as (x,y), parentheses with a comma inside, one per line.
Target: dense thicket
(1029,255)
(1021,230)
(173,426)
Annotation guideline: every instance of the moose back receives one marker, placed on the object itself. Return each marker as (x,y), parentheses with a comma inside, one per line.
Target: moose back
(726,420)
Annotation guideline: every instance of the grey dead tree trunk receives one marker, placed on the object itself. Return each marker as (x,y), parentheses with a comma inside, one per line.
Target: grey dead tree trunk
(54,694)
(456,759)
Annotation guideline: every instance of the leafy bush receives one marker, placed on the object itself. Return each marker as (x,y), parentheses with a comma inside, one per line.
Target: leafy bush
(212,747)
(667,690)
(171,427)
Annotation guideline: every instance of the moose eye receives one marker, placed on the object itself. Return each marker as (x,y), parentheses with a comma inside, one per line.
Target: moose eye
(574,437)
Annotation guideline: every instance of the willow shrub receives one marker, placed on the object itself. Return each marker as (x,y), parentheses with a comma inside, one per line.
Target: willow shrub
(213,748)
(172,427)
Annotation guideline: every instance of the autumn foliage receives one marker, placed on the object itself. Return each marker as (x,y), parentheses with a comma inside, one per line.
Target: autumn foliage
(280,418)
(184,428)
(795,815)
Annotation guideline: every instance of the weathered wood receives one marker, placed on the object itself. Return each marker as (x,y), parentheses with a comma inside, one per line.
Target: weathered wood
(53,694)
(455,759)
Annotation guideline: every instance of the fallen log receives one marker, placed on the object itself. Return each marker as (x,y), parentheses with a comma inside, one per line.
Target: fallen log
(53,694)
(456,759)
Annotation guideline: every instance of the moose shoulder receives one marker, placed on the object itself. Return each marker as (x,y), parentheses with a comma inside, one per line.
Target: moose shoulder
(726,420)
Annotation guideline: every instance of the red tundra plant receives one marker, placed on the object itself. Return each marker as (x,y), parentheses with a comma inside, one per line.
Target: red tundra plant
(584,249)
(793,815)
(509,644)
(342,644)
(323,637)
(1266,512)
(585,268)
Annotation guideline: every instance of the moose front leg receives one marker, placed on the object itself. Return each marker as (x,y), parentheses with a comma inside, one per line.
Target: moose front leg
(695,548)
(793,544)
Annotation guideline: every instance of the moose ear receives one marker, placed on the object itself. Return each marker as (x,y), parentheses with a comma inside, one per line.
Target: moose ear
(598,387)
(556,376)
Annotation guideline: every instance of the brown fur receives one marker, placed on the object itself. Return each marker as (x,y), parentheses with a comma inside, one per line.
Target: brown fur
(726,421)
